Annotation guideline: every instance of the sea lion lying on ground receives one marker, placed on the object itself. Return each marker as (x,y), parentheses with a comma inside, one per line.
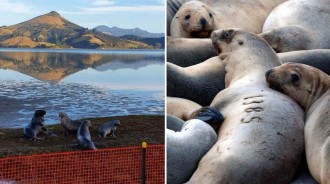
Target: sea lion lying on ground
(69,125)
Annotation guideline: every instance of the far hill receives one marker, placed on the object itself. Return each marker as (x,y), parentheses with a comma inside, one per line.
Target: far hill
(115,31)
(157,43)
(53,31)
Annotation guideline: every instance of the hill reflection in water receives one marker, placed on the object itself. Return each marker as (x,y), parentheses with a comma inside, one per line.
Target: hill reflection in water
(82,83)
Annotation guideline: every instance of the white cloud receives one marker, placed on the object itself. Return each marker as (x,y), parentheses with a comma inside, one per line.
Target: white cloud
(14,6)
(141,8)
(102,2)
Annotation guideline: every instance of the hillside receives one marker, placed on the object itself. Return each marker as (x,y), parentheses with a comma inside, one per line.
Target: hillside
(115,31)
(53,31)
(157,43)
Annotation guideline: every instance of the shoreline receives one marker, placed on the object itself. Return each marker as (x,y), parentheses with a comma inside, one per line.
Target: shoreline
(133,131)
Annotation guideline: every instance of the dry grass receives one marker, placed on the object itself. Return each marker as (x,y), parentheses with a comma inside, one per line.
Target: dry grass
(20,41)
(133,131)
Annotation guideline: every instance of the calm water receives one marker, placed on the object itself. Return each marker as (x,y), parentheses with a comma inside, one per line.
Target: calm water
(82,83)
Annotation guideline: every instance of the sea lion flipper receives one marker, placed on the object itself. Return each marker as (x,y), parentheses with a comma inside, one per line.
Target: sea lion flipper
(210,116)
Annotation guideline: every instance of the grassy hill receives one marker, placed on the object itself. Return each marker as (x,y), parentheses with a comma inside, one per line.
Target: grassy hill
(157,43)
(53,31)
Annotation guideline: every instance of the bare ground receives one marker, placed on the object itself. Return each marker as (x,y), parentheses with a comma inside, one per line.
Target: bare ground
(132,132)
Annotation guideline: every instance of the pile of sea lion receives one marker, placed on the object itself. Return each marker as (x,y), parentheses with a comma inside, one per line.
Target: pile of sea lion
(261,65)
(79,127)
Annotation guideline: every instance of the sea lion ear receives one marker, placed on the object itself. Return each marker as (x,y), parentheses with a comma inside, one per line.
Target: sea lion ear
(210,116)
(39,113)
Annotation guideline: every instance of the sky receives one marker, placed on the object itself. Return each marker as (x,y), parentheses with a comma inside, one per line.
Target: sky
(148,15)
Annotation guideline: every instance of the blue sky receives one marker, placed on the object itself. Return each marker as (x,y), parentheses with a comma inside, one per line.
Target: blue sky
(145,14)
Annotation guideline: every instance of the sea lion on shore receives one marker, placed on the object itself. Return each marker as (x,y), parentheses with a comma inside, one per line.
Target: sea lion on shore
(261,138)
(69,125)
(197,19)
(298,25)
(109,127)
(84,136)
(186,147)
(310,88)
(36,126)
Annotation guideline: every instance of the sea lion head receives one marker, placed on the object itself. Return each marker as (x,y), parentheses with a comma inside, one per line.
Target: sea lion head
(298,81)
(38,116)
(62,115)
(229,40)
(87,123)
(288,38)
(193,20)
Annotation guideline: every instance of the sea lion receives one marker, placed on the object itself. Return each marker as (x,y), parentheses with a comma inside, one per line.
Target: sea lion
(201,82)
(310,88)
(84,136)
(109,127)
(197,19)
(261,138)
(36,126)
(186,52)
(186,147)
(298,25)
(69,125)
(174,123)
(181,108)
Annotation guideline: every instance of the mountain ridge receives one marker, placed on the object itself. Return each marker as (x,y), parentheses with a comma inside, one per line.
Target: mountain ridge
(52,30)
(116,31)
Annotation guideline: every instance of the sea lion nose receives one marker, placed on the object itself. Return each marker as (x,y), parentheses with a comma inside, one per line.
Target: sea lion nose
(202,21)
(269,72)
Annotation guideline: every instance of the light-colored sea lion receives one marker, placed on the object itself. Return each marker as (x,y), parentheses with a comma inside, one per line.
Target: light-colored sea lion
(298,25)
(181,108)
(84,136)
(197,19)
(37,126)
(69,125)
(261,138)
(109,127)
(186,147)
(310,88)
(201,82)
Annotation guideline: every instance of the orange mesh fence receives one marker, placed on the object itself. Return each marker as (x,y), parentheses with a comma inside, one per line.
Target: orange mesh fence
(113,165)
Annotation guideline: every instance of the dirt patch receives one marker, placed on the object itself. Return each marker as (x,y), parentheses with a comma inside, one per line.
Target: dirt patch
(133,131)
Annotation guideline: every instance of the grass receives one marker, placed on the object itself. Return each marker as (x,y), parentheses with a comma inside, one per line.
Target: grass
(133,130)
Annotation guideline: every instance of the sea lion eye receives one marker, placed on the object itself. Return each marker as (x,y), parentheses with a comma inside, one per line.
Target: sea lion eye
(295,79)
(226,34)
(210,14)
(187,17)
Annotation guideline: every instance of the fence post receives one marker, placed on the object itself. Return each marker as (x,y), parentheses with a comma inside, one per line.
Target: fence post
(143,171)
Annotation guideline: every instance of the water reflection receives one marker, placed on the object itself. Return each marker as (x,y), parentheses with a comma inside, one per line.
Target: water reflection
(53,66)
(83,83)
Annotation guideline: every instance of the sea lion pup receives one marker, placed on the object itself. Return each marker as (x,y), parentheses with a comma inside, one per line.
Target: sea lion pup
(109,127)
(187,146)
(36,126)
(69,125)
(310,88)
(84,136)
(261,138)
(298,25)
